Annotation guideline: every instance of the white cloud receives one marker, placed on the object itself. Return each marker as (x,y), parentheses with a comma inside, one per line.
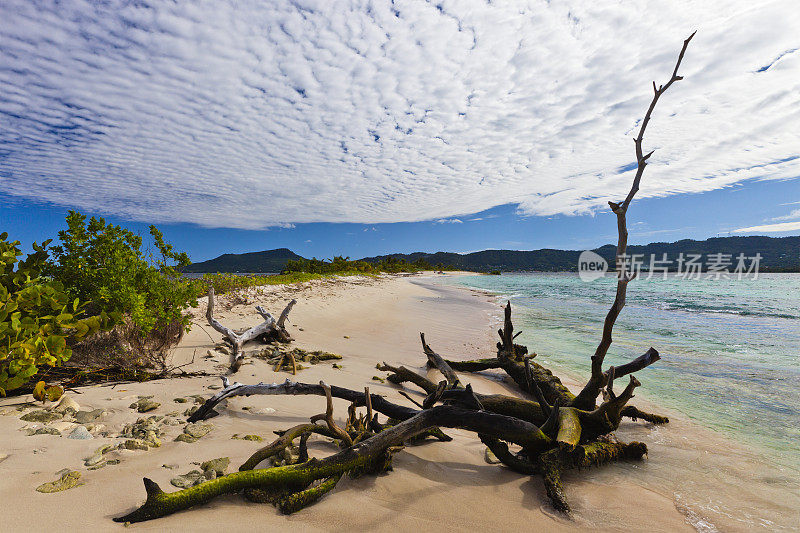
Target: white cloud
(770,228)
(791,216)
(250,114)
(448,221)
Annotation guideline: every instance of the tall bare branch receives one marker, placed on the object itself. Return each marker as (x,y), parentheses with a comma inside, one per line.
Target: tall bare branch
(586,399)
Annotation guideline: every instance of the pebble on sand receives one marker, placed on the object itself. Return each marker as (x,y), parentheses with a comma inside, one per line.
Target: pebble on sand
(80,433)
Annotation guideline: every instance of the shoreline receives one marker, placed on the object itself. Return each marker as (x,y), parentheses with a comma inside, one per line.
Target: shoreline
(726,468)
(367,321)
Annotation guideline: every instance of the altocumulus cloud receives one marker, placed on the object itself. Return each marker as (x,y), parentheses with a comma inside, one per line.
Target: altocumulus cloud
(250,114)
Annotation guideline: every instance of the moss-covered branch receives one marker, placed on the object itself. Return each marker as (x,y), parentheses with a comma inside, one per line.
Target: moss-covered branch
(362,454)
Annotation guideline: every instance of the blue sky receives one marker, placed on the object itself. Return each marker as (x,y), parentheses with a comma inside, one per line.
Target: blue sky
(367,127)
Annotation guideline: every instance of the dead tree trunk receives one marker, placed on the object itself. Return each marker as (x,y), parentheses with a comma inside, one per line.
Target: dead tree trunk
(268,330)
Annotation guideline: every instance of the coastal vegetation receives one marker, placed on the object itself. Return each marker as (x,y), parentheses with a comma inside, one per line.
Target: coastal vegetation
(546,437)
(225,283)
(96,299)
(38,317)
(343,265)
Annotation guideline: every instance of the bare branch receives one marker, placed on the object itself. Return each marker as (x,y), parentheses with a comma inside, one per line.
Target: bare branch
(269,326)
(586,399)
(327,416)
(285,313)
(437,361)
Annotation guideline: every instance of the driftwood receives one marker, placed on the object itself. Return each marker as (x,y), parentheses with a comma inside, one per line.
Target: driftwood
(267,331)
(544,437)
(565,438)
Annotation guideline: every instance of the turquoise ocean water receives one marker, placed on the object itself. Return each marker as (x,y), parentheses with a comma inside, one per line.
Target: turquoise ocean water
(730,348)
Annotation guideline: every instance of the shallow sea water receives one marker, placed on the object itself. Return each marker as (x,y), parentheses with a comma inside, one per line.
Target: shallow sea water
(730,363)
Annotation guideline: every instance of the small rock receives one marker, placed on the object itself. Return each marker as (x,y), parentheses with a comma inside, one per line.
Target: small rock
(169,467)
(41,415)
(255,438)
(145,431)
(143,405)
(222,349)
(179,400)
(67,404)
(152,440)
(190,411)
(63,426)
(219,465)
(378,378)
(44,431)
(80,433)
(190,479)
(68,480)
(336,366)
(194,431)
(346,336)
(87,417)
(214,387)
(135,444)
(98,455)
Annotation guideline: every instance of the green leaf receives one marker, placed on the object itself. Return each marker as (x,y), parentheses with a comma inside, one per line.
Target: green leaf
(56,344)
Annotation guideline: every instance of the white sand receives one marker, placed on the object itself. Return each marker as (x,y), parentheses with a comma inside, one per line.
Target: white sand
(435,486)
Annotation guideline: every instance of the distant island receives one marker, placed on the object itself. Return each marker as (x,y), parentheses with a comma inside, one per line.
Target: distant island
(778,254)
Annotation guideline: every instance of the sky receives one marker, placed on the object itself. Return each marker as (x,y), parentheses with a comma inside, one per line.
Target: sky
(368,127)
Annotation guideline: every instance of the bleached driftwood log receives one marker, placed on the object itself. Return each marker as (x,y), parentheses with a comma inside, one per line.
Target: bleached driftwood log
(270,328)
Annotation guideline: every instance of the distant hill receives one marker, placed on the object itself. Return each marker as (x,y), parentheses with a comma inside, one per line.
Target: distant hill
(266,261)
(779,254)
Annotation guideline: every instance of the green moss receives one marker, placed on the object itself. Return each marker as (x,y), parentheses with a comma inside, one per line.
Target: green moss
(68,480)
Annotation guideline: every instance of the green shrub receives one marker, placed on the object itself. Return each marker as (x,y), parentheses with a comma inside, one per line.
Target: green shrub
(224,283)
(103,264)
(38,319)
(340,265)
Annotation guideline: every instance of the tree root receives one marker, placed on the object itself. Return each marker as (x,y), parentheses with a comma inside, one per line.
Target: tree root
(284,441)
(401,374)
(632,412)
(363,455)
(298,500)
(553,463)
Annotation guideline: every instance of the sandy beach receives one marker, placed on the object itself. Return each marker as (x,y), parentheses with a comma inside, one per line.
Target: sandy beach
(434,486)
